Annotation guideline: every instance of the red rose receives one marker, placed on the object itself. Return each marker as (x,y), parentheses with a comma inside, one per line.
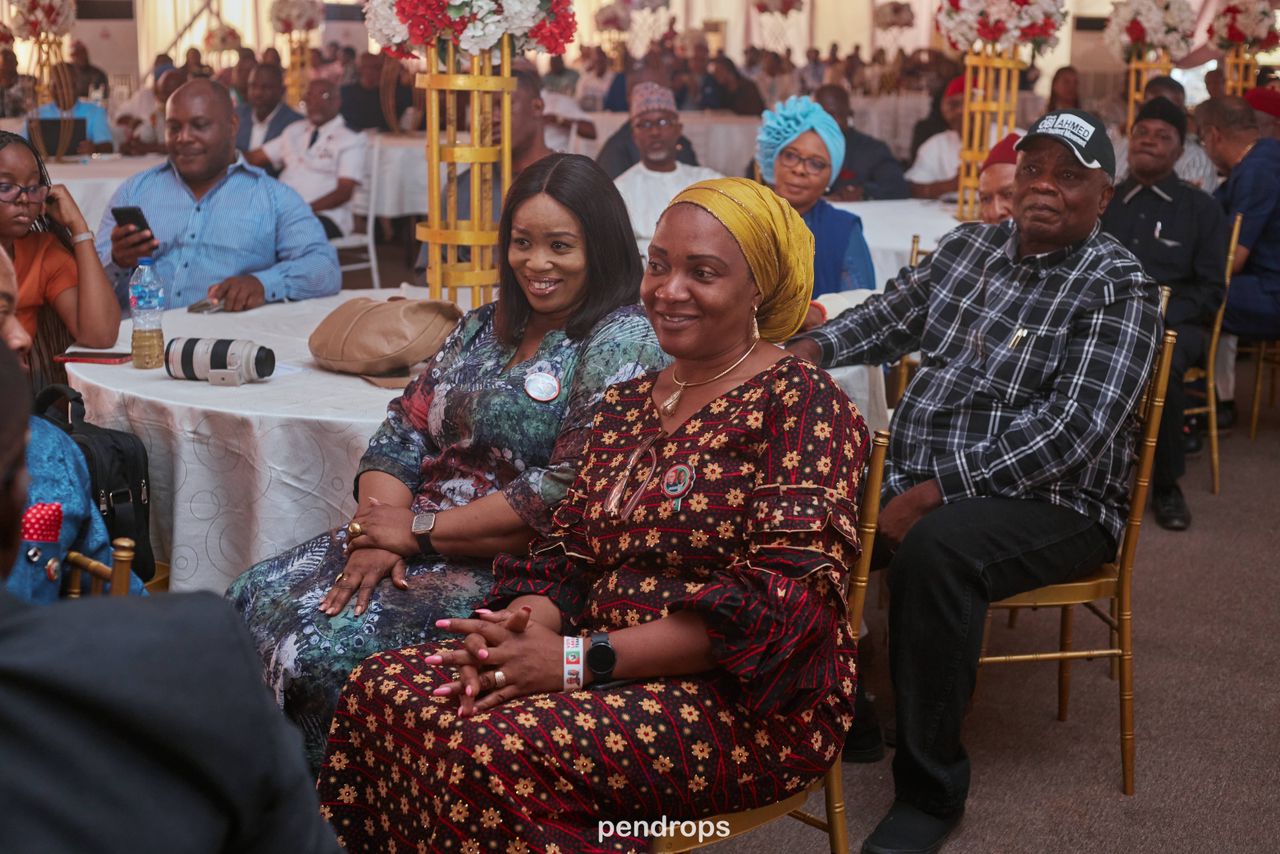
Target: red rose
(1136,32)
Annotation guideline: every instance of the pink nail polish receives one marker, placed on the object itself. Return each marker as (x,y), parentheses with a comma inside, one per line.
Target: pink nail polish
(468,690)
(442,624)
(483,611)
(483,654)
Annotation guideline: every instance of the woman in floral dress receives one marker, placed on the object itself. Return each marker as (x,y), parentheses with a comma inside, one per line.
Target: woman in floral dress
(488,439)
(701,552)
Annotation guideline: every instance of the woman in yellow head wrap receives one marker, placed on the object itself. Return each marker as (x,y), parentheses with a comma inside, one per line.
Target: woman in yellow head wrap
(694,574)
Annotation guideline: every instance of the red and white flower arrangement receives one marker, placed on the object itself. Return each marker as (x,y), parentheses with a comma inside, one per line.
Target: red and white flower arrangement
(779,7)
(894,16)
(1003,23)
(222,37)
(1137,27)
(296,16)
(405,27)
(6,36)
(34,18)
(1247,23)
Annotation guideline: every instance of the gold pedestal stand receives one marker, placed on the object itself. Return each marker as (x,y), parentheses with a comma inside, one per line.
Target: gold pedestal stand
(990,106)
(1142,67)
(299,62)
(45,59)
(1240,69)
(450,143)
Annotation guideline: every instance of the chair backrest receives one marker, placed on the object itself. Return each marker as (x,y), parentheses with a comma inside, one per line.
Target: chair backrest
(1226,289)
(365,200)
(868,517)
(1149,413)
(917,254)
(117,575)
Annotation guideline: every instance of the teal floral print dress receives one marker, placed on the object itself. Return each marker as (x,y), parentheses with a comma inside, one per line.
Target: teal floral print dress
(465,428)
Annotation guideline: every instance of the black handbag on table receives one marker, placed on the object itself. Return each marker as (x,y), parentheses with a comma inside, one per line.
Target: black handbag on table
(117,463)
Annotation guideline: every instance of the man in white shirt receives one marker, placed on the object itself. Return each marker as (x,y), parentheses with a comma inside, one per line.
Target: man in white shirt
(937,167)
(1194,166)
(652,183)
(322,159)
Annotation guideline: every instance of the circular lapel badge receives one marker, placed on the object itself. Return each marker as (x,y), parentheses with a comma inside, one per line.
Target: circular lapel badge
(677,481)
(542,387)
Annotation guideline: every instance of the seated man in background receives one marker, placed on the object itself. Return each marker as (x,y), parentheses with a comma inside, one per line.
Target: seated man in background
(650,185)
(1194,165)
(1011,452)
(995,181)
(1229,131)
(870,171)
(265,115)
(936,169)
(61,514)
(738,94)
(620,151)
(362,100)
(1179,234)
(117,697)
(221,229)
(89,77)
(142,116)
(321,158)
(66,105)
(17,91)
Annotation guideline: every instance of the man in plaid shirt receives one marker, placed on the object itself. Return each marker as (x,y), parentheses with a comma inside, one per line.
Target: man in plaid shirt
(1010,458)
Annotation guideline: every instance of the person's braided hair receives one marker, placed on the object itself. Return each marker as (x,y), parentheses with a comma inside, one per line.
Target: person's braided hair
(43,222)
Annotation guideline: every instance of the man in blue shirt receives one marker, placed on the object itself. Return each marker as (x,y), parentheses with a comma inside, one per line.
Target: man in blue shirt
(221,229)
(66,106)
(1229,133)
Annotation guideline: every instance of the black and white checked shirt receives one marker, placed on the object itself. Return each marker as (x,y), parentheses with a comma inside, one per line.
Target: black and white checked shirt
(1031,370)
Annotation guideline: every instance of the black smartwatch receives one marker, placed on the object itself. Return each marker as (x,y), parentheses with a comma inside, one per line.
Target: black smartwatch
(601,657)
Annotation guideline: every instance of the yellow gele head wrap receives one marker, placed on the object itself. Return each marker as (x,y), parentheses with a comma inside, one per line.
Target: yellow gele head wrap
(776,242)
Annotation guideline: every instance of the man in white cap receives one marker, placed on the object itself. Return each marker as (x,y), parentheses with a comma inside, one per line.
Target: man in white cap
(652,183)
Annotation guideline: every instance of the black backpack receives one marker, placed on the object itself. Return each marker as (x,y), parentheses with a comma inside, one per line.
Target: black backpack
(117,464)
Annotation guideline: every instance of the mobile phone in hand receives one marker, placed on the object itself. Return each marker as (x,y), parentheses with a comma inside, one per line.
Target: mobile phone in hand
(131,216)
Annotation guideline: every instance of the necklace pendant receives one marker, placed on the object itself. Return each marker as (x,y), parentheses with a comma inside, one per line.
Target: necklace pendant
(668,406)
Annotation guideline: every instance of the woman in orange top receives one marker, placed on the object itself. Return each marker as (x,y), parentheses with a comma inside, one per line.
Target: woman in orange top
(52,249)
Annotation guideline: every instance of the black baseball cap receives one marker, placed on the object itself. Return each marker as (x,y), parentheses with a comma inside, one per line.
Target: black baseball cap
(1079,131)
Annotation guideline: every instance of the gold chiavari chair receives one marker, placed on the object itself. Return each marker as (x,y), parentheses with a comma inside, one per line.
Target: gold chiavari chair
(117,575)
(1266,354)
(1113,582)
(832,783)
(1205,372)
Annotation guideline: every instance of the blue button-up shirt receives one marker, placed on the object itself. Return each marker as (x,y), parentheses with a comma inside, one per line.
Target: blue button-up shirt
(246,224)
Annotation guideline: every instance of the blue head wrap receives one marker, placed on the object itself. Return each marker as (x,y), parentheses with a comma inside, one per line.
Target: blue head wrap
(785,122)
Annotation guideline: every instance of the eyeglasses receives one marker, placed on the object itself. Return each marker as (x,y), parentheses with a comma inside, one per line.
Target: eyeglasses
(650,124)
(812,165)
(613,503)
(36,193)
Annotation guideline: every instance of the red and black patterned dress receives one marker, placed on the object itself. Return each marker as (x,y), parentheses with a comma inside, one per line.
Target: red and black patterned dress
(746,515)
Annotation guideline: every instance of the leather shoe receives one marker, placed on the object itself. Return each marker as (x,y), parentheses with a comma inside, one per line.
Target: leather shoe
(910,830)
(1171,509)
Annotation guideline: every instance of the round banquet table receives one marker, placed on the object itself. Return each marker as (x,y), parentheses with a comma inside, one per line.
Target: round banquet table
(723,141)
(888,226)
(239,474)
(93,180)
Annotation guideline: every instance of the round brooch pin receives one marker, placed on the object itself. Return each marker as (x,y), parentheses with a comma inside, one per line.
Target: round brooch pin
(677,481)
(542,387)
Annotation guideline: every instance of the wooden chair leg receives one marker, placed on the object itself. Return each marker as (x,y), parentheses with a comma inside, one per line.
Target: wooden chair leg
(833,791)
(1126,699)
(1115,640)
(1064,666)
(1013,618)
(1258,365)
(1214,470)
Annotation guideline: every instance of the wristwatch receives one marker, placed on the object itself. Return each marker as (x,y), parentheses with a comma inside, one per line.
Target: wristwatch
(601,657)
(423,525)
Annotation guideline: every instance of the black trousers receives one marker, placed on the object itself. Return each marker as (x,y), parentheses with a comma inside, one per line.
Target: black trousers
(1170,461)
(952,564)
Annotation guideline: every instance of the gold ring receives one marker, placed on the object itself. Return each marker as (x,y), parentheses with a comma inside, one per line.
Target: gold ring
(354,528)
(499,679)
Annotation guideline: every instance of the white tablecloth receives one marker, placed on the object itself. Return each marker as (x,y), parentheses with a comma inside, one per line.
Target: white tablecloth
(892,118)
(92,181)
(888,226)
(723,141)
(240,474)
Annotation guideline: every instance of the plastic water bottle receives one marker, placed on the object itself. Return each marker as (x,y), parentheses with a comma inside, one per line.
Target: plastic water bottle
(146,303)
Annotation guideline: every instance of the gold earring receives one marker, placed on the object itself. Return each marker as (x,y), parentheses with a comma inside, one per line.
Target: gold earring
(755,329)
